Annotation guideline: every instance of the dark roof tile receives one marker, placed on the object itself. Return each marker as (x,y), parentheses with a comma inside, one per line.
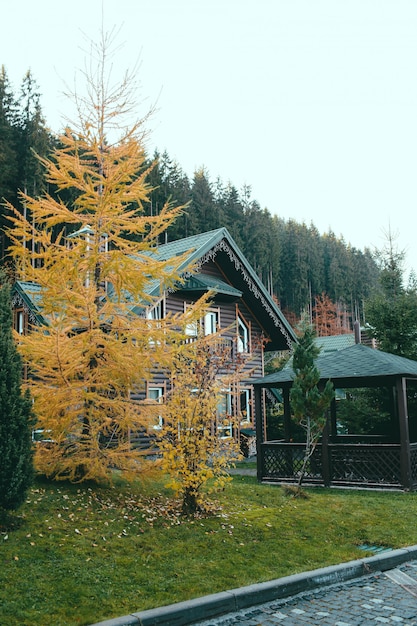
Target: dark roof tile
(354,363)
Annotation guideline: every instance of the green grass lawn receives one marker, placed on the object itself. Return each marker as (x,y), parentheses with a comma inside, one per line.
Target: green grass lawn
(85,554)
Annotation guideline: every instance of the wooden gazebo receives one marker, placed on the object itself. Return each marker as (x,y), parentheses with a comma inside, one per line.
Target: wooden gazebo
(339,459)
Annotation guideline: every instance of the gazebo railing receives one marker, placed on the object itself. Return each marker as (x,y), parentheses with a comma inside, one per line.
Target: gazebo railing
(366,465)
(284,461)
(413,464)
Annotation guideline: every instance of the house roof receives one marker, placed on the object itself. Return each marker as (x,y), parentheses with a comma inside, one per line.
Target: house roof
(29,295)
(238,280)
(219,246)
(355,366)
(195,245)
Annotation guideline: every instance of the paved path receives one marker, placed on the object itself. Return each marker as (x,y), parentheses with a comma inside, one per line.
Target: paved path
(388,597)
(380,589)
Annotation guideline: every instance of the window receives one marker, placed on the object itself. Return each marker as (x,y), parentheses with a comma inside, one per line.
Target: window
(39,435)
(245,402)
(156,312)
(191,329)
(242,336)
(156,394)
(20,321)
(224,411)
(210,322)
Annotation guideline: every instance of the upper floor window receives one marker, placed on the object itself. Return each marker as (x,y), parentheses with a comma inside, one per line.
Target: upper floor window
(211,322)
(156,312)
(242,335)
(19,321)
(191,329)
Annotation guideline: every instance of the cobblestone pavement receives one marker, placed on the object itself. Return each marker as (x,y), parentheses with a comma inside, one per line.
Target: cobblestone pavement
(384,598)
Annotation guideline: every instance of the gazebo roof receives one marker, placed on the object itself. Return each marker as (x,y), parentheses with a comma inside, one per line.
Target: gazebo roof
(355,366)
(333,343)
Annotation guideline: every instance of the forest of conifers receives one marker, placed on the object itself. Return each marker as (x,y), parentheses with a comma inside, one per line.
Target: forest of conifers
(300,266)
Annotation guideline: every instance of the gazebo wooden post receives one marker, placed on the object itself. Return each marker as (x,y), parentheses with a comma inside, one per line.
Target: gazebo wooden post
(325,456)
(333,421)
(287,413)
(405,460)
(259,425)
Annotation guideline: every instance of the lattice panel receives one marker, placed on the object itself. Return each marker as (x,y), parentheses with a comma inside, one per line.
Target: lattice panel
(413,458)
(286,462)
(366,465)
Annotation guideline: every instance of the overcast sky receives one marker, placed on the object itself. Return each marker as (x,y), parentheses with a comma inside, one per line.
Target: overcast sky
(313,103)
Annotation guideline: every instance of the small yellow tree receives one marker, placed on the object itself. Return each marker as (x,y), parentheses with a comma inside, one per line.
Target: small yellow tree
(198,441)
(95,262)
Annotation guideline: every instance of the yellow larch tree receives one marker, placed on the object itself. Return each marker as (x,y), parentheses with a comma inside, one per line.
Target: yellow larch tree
(95,263)
(198,438)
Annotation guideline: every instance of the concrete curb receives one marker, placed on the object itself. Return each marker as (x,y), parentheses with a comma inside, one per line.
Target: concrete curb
(215,605)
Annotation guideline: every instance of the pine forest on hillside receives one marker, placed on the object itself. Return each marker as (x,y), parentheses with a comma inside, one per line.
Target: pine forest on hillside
(301,267)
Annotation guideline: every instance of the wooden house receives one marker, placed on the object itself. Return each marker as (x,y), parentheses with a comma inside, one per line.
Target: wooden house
(240,303)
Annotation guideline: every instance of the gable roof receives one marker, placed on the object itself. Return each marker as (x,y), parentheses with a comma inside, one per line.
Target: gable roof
(195,245)
(219,246)
(357,365)
(28,295)
(238,280)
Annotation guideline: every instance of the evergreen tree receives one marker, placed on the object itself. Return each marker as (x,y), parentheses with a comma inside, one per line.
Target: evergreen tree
(176,189)
(16,420)
(203,210)
(8,157)
(8,151)
(295,293)
(34,139)
(337,270)
(232,210)
(258,242)
(316,276)
(391,313)
(309,403)
(23,138)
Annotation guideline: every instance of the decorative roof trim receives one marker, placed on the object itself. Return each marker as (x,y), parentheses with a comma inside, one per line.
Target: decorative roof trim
(19,303)
(240,267)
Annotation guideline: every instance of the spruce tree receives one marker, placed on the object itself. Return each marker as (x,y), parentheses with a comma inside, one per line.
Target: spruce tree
(391,312)
(16,419)
(309,402)
(8,149)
